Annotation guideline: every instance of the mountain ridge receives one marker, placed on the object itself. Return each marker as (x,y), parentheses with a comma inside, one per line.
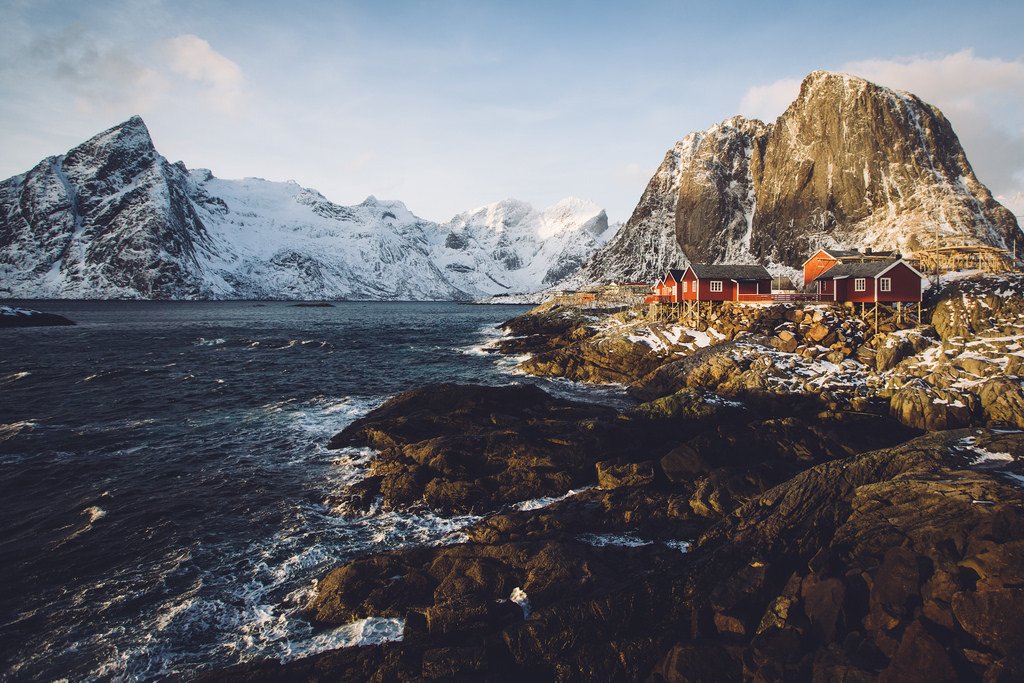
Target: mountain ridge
(849,164)
(112,218)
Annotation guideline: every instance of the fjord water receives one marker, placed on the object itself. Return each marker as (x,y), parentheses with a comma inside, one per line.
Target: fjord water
(168,497)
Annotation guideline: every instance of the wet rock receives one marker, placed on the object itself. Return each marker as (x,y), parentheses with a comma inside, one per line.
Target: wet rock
(466,448)
(448,663)
(697,662)
(920,405)
(1002,400)
(612,474)
(993,617)
(611,360)
(26,317)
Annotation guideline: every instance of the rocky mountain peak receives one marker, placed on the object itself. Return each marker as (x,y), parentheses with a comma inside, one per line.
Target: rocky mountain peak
(849,164)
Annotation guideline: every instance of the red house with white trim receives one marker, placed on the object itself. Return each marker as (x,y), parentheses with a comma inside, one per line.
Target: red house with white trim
(823,259)
(889,281)
(725,282)
(668,290)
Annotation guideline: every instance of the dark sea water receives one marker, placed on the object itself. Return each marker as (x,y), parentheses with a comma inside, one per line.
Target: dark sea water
(168,502)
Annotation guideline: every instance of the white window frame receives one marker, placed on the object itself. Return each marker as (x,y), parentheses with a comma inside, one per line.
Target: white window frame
(885,284)
(860,284)
(686,286)
(716,286)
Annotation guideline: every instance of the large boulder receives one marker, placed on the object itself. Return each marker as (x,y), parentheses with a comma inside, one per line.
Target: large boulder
(918,404)
(1002,400)
(464,448)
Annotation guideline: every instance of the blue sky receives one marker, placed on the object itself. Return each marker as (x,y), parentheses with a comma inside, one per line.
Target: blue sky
(451,105)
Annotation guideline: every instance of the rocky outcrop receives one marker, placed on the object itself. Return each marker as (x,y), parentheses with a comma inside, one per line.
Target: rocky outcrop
(26,317)
(849,163)
(464,449)
(899,563)
(973,373)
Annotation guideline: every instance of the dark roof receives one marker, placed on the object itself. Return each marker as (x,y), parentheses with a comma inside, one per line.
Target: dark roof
(858,269)
(857,254)
(841,253)
(727,271)
(676,274)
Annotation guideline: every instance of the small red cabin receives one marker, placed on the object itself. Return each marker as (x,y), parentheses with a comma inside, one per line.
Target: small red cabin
(889,281)
(823,259)
(725,282)
(668,289)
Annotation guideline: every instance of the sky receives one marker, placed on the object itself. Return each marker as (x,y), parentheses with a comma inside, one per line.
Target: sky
(448,106)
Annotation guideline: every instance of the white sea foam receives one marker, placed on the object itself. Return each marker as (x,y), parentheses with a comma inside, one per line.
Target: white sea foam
(11,430)
(369,631)
(602,540)
(519,597)
(14,377)
(202,341)
(681,546)
(543,502)
(94,513)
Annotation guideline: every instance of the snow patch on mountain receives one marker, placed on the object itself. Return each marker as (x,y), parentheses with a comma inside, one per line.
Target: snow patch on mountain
(114,219)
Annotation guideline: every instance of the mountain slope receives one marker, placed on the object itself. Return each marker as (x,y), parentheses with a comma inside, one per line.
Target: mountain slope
(848,164)
(113,218)
(510,247)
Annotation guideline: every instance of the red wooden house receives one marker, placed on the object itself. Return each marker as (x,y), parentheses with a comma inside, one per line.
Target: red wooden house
(823,259)
(726,282)
(668,290)
(889,281)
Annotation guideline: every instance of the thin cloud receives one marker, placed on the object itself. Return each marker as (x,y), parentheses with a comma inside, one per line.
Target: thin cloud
(766,102)
(193,58)
(966,87)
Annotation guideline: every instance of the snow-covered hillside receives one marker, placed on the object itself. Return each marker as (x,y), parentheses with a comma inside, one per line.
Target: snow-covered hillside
(113,218)
(510,247)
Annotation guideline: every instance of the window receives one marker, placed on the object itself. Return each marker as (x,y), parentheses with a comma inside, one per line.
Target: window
(859,284)
(685,286)
(885,284)
(716,285)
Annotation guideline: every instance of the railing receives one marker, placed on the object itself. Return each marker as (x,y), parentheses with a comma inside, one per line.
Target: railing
(776,297)
(798,297)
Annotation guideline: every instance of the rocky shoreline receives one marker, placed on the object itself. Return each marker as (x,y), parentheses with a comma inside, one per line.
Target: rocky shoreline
(760,513)
(11,316)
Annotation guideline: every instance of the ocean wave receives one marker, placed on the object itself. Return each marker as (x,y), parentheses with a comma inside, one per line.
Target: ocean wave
(545,501)
(14,377)
(202,341)
(11,430)
(603,540)
(368,631)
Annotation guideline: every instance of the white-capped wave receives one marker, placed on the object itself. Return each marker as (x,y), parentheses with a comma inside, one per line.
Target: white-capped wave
(519,597)
(11,430)
(368,631)
(544,501)
(681,546)
(14,377)
(602,540)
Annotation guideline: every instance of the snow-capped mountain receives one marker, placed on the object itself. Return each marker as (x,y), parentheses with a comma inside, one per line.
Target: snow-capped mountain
(113,218)
(848,164)
(510,247)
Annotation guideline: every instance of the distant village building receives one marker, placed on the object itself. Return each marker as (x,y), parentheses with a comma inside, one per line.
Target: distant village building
(888,281)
